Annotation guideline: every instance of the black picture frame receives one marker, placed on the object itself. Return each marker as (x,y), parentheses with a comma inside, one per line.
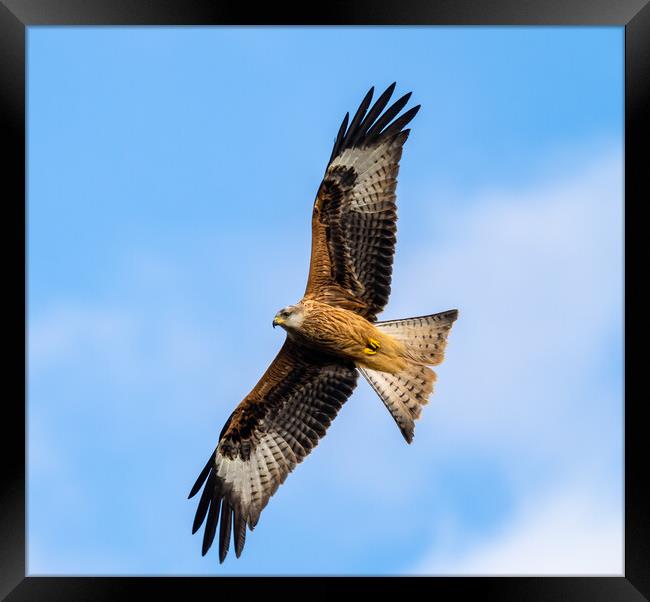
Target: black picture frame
(17,15)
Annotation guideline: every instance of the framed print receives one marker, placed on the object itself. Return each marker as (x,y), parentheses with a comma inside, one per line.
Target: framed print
(164,160)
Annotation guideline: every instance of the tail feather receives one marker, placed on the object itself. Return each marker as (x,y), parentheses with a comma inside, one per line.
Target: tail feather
(425,337)
(403,393)
(406,392)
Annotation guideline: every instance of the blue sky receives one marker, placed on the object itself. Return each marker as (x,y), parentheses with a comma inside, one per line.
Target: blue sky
(171,177)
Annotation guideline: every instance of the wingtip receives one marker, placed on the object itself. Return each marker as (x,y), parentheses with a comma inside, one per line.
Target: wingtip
(413,111)
(367,99)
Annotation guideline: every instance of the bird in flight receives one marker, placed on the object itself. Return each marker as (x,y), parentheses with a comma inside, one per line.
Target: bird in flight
(332,333)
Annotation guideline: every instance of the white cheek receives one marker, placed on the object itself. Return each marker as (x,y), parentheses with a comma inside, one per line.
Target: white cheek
(294,321)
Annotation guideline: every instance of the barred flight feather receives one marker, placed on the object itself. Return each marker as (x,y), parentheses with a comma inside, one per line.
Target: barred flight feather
(354,216)
(299,395)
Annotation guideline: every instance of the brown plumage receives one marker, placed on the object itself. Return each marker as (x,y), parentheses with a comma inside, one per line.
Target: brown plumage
(331,333)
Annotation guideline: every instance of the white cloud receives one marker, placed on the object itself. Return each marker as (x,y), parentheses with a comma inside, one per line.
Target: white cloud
(568,533)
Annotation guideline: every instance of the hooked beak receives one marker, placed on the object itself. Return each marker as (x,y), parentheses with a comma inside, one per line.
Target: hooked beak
(277,321)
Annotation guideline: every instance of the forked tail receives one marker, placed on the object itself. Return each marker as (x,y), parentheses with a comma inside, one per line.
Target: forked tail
(424,339)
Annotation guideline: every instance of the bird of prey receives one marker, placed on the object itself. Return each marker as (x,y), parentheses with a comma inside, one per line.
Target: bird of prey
(332,332)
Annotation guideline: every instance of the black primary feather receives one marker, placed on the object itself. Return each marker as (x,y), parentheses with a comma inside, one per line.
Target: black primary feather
(373,113)
(339,138)
(211,526)
(203,476)
(240,533)
(390,113)
(400,122)
(224,529)
(358,116)
(370,126)
(204,503)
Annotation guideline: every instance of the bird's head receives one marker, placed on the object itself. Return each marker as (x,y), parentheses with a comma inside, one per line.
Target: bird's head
(289,318)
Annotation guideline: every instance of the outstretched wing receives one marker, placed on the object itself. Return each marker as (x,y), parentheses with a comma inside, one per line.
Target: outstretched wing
(270,431)
(354,216)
